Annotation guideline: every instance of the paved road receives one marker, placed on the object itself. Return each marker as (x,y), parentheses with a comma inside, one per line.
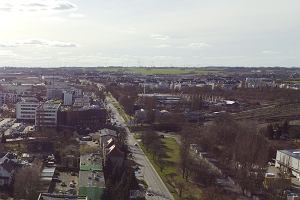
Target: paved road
(155,185)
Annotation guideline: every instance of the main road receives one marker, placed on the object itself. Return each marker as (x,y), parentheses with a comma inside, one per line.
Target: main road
(157,190)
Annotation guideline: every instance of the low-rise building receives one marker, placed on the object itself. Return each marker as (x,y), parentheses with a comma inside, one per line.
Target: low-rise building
(58,196)
(105,135)
(289,160)
(8,164)
(25,109)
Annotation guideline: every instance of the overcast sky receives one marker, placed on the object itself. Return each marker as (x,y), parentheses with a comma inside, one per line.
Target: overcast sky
(53,33)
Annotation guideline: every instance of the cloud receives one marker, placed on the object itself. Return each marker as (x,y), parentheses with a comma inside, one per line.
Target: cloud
(7,53)
(131,30)
(37,42)
(163,46)
(76,15)
(160,37)
(36,5)
(270,52)
(198,45)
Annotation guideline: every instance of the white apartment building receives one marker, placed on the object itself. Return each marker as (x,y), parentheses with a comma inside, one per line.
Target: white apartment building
(46,114)
(25,109)
(289,160)
(68,98)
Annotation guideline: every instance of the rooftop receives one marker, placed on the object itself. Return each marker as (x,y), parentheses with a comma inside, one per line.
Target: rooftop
(53,196)
(295,153)
(29,100)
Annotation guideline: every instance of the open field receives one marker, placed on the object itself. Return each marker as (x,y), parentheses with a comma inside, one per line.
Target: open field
(163,70)
(171,169)
(271,113)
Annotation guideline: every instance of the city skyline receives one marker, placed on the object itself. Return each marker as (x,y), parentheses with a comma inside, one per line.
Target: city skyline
(55,33)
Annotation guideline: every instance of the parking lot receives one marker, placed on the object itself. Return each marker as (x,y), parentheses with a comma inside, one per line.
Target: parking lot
(67,183)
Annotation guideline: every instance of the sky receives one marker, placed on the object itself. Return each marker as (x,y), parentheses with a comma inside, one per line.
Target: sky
(190,33)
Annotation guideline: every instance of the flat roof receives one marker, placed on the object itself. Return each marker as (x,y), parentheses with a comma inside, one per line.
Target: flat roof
(295,153)
(54,196)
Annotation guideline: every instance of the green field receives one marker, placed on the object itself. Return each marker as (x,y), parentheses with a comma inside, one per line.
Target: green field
(93,193)
(163,70)
(171,163)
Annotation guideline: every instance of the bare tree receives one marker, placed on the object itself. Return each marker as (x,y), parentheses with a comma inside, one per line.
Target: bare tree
(27,182)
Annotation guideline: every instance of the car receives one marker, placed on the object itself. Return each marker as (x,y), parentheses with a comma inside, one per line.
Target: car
(72,185)
(149,194)
(63,184)
(135,144)
(73,174)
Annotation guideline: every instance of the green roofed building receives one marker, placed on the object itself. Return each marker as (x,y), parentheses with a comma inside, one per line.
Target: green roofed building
(91,177)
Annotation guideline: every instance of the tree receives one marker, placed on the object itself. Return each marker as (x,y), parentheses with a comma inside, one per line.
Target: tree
(180,185)
(27,182)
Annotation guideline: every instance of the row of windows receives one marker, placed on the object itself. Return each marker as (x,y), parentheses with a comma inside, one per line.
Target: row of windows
(28,116)
(24,112)
(28,105)
(28,108)
(48,111)
(45,115)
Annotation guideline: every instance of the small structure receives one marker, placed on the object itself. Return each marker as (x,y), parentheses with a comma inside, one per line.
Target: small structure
(8,164)
(105,135)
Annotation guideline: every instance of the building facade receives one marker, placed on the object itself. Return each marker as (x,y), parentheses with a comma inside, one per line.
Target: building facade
(68,98)
(46,114)
(25,109)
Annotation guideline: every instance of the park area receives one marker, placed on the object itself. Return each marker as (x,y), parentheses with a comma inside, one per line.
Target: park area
(168,169)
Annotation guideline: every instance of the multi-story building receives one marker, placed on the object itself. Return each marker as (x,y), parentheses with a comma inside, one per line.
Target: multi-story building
(46,114)
(25,109)
(82,102)
(68,98)
(54,93)
(8,98)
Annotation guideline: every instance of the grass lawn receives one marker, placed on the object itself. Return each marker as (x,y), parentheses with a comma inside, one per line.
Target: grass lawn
(171,169)
(92,193)
(163,70)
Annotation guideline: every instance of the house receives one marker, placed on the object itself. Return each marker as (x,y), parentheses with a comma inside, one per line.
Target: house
(8,164)
(289,160)
(107,145)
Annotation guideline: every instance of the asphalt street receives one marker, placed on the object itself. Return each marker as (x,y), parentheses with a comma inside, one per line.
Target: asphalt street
(157,190)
